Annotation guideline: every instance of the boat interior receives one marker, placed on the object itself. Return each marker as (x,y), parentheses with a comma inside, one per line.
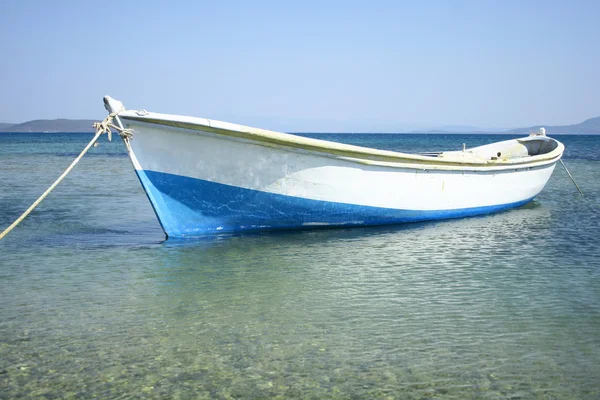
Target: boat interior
(506,150)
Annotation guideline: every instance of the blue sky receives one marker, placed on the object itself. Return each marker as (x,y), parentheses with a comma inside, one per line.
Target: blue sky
(306,66)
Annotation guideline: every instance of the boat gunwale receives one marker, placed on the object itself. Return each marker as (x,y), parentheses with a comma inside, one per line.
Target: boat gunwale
(363,155)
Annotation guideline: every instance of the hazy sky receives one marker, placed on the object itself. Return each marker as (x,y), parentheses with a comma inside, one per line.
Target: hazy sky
(306,65)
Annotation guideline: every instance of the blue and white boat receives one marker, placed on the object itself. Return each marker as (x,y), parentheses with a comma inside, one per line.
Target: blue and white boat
(204,177)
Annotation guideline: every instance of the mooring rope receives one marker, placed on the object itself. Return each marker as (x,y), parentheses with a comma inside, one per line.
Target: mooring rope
(570,176)
(101,127)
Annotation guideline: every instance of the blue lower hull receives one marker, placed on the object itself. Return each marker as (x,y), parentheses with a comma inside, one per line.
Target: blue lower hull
(191,207)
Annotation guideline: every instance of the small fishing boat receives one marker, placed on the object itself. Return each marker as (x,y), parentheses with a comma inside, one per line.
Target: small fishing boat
(204,176)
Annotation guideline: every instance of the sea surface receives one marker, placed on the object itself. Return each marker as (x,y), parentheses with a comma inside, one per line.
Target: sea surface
(95,303)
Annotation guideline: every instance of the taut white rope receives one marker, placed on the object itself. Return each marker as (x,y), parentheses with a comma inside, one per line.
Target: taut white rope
(101,127)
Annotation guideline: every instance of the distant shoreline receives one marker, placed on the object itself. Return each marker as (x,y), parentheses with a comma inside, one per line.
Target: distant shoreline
(588,127)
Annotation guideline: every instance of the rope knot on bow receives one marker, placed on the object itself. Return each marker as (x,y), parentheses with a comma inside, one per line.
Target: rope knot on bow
(106,125)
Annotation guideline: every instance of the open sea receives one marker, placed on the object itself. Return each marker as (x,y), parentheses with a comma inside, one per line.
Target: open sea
(94,303)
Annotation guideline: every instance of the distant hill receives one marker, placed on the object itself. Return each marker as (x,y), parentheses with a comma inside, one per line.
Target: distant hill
(589,126)
(51,125)
(4,125)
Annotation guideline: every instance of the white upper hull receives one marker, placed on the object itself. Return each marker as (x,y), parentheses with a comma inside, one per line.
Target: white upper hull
(298,173)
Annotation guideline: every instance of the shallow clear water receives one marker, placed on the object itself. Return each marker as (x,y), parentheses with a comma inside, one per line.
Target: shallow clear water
(95,304)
